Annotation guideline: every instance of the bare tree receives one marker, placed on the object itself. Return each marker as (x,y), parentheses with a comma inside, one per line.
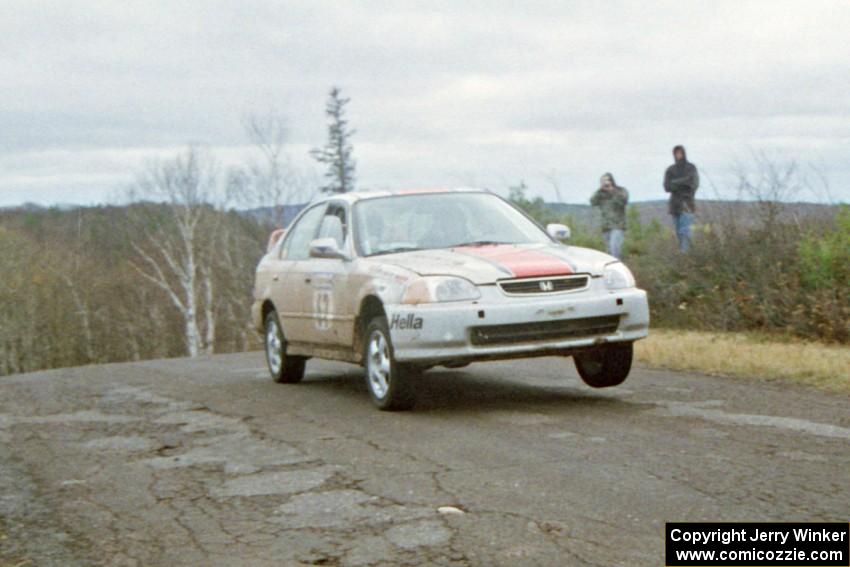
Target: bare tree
(82,310)
(173,240)
(25,289)
(817,182)
(76,274)
(554,180)
(269,179)
(238,251)
(771,184)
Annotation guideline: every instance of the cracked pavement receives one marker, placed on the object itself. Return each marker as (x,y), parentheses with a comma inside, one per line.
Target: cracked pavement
(207,461)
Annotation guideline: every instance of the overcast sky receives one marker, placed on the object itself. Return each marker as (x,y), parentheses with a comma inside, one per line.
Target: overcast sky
(443,93)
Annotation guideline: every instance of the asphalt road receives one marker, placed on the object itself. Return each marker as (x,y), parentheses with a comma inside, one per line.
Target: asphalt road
(207,462)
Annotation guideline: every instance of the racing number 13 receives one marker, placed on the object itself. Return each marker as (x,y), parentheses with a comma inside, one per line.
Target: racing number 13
(322,303)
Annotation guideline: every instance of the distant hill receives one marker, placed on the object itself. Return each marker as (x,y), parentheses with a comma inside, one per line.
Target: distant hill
(35,207)
(707,211)
(277,216)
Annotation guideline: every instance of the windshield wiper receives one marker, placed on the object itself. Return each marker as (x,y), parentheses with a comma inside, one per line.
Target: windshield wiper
(396,249)
(479,243)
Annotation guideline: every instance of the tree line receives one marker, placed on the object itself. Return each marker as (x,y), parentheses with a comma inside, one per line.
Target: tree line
(171,274)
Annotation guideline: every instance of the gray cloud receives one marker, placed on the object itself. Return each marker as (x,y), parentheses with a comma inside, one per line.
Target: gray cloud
(442,92)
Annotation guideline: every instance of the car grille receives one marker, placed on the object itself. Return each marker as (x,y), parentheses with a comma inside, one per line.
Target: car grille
(544,285)
(544,330)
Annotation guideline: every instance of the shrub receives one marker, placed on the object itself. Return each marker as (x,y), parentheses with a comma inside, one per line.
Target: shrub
(745,271)
(825,256)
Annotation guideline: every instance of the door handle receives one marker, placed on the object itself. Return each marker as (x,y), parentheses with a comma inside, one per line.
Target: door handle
(275,278)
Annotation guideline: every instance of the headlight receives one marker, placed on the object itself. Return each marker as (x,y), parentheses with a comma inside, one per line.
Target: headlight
(440,288)
(618,276)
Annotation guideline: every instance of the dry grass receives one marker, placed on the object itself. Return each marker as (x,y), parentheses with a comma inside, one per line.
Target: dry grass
(735,354)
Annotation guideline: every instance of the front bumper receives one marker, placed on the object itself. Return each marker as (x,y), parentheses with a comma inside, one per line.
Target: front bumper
(438,333)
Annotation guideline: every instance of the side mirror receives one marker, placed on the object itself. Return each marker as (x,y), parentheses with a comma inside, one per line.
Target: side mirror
(326,248)
(558,231)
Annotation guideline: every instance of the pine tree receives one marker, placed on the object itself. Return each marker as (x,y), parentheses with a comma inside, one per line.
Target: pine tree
(337,153)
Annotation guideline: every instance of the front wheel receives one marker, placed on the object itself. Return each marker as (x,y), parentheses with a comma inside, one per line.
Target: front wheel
(605,366)
(391,385)
(283,369)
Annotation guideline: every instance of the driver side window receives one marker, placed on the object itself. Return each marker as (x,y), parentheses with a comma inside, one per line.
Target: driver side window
(334,225)
(297,245)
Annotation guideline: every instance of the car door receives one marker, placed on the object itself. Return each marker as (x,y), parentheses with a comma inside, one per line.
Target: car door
(288,288)
(332,325)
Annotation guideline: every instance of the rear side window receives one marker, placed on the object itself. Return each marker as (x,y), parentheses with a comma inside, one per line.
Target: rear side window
(297,245)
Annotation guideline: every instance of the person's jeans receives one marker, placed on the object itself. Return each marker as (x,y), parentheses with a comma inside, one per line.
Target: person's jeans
(683,222)
(614,241)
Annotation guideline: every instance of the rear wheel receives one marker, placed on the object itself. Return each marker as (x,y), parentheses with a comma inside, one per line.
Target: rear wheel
(391,385)
(605,366)
(283,369)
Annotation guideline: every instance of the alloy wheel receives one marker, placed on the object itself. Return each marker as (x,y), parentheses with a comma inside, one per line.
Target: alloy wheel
(274,347)
(378,364)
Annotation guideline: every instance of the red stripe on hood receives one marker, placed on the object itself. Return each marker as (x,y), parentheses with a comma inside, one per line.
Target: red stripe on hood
(523,263)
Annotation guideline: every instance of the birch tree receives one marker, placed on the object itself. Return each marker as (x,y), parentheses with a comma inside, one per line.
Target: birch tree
(172,241)
(77,274)
(269,180)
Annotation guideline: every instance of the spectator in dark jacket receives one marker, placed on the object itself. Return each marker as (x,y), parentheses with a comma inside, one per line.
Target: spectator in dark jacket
(681,180)
(611,200)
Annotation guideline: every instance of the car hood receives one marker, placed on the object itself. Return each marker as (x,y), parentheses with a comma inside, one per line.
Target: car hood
(487,264)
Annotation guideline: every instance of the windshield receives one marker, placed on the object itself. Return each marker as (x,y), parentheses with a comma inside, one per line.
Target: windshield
(439,220)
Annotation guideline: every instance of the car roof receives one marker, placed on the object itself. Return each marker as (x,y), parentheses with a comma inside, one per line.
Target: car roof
(362,195)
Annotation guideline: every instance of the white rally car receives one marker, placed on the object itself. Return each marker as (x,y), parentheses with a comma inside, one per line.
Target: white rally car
(404,281)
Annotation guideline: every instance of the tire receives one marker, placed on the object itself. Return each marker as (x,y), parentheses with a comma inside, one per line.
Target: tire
(605,366)
(283,369)
(391,385)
